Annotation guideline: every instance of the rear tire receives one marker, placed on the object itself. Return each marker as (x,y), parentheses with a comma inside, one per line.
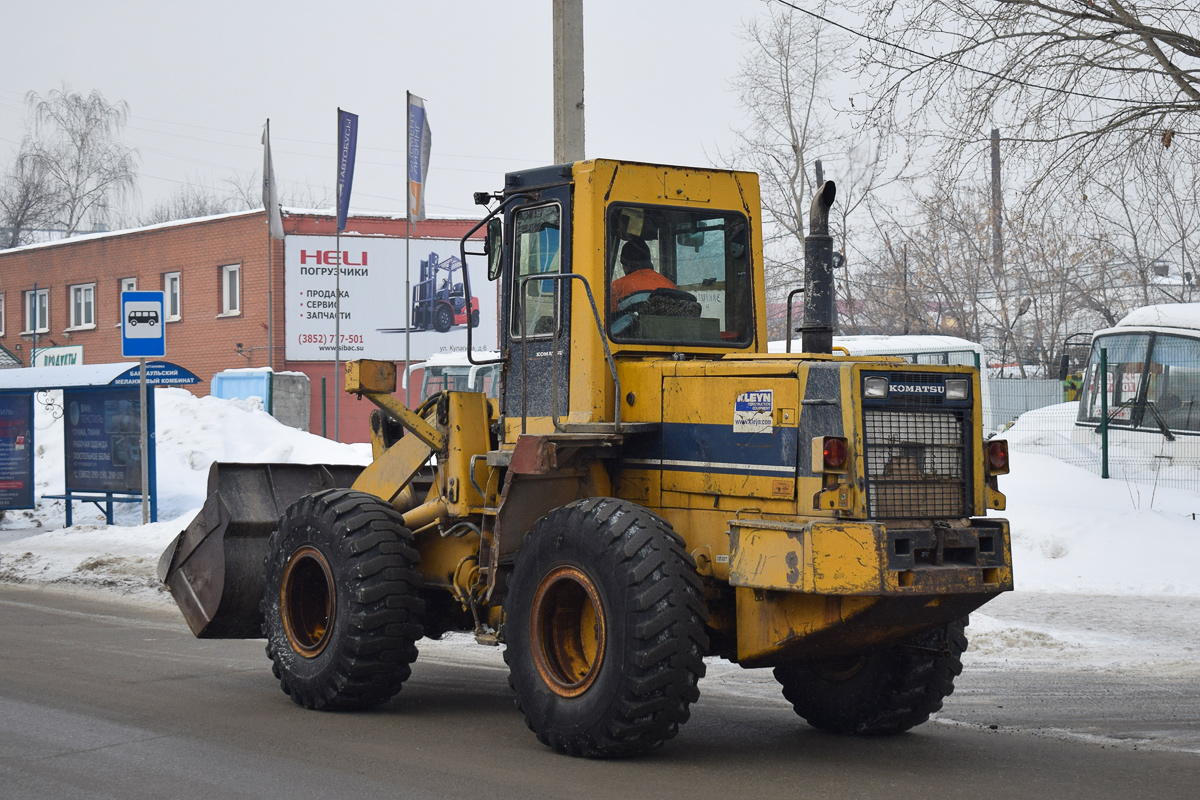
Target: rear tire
(604,627)
(342,606)
(880,693)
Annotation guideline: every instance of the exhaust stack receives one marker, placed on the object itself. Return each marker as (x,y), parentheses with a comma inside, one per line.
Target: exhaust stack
(819,306)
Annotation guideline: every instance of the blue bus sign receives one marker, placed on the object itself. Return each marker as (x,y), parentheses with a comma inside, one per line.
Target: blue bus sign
(142,334)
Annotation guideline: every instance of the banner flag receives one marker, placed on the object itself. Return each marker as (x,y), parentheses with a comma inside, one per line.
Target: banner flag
(347,145)
(270,194)
(420,141)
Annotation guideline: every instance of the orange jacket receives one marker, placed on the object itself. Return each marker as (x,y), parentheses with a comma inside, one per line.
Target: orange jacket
(643,280)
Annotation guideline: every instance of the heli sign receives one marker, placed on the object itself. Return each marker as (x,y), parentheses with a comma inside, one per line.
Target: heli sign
(142,325)
(372,303)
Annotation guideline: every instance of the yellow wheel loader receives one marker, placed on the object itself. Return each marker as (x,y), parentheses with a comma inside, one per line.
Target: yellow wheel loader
(649,487)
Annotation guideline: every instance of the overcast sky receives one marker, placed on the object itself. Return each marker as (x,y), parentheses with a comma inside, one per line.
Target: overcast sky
(200,82)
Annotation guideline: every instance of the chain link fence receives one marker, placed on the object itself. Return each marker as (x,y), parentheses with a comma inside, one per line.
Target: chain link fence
(1147,455)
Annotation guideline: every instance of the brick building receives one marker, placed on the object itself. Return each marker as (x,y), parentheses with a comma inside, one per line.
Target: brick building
(225,307)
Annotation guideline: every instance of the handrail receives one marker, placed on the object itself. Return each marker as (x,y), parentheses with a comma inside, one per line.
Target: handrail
(612,366)
(791,294)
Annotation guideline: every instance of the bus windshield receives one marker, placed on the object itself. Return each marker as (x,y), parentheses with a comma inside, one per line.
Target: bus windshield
(1152,381)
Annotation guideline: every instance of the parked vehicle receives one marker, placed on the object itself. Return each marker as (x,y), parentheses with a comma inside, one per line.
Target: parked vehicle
(1150,384)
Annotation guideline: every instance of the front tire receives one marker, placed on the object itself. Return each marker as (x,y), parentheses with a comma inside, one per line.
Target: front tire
(443,317)
(342,607)
(880,693)
(604,627)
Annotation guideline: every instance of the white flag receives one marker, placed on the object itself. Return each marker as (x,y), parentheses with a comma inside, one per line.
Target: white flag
(270,195)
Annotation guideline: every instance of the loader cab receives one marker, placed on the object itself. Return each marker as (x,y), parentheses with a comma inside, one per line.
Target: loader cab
(668,255)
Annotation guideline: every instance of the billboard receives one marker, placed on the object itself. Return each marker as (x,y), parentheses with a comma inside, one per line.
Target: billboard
(102,432)
(372,310)
(16,451)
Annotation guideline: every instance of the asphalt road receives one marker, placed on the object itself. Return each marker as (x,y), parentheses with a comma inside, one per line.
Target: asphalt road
(100,698)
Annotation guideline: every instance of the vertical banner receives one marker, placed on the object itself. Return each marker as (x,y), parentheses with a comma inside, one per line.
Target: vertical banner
(270,194)
(420,142)
(347,145)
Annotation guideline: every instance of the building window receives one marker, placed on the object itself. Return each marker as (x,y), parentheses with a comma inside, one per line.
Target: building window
(1,315)
(231,290)
(128,284)
(37,311)
(173,296)
(83,306)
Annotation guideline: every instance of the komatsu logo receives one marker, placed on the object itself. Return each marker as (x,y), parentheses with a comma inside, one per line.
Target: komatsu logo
(917,388)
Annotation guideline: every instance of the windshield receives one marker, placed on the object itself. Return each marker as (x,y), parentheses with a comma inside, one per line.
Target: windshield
(678,276)
(1152,381)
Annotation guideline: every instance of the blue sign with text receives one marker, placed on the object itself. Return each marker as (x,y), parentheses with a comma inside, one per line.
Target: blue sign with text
(102,432)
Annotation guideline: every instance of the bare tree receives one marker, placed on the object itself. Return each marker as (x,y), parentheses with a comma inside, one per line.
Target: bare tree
(196,200)
(77,142)
(1076,82)
(780,86)
(28,199)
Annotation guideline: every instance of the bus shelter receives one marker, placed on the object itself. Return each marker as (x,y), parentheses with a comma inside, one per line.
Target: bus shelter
(101,414)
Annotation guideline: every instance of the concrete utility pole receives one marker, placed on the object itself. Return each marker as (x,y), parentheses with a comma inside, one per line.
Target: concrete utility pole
(997,205)
(568,81)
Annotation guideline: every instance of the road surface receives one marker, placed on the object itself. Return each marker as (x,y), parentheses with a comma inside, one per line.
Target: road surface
(101,697)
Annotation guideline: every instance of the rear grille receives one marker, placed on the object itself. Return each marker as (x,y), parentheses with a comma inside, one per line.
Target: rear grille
(916,462)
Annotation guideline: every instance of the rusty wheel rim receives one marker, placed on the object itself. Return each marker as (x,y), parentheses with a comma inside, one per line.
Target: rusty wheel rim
(308,601)
(568,630)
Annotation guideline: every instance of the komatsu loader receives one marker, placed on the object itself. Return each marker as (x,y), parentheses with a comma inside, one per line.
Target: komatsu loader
(650,487)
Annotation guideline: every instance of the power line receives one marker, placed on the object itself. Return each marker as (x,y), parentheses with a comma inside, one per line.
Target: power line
(958,64)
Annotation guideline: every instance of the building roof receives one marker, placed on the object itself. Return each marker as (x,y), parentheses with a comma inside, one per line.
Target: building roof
(125,373)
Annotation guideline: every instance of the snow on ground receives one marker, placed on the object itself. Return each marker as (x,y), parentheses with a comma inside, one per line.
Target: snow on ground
(1099,564)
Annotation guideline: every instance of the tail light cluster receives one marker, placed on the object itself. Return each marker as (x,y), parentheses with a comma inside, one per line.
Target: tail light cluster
(997,457)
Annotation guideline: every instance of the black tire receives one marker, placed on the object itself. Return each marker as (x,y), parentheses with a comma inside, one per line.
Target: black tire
(881,693)
(474,319)
(443,317)
(342,607)
(612,569)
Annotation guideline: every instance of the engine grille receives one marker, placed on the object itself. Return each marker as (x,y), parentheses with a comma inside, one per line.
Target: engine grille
(916,462)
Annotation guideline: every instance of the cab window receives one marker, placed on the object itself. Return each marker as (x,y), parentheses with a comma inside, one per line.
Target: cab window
(536,251)
(678,276)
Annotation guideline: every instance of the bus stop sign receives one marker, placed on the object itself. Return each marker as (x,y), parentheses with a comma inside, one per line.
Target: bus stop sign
(142,334)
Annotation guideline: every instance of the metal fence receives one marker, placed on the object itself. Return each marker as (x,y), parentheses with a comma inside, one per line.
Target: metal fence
(1143,456)
(1012,397)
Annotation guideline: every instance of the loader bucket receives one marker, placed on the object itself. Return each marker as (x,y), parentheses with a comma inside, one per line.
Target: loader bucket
(214,568)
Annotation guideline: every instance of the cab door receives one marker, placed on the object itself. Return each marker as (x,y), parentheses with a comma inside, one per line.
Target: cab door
(536,311)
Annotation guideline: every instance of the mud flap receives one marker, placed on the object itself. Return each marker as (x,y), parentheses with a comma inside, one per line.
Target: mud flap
(214,568)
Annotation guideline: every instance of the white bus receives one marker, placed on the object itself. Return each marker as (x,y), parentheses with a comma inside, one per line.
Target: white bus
(1152,382)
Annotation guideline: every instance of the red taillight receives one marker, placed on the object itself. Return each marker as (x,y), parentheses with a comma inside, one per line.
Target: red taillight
(834,453)
(997,454)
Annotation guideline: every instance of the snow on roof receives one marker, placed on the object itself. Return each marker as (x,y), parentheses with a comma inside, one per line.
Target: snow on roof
(889,345)
(1164,315)
(82,375)
(84,237)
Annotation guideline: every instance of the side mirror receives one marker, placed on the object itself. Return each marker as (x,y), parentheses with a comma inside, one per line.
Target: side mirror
(493,245)
(1064,367)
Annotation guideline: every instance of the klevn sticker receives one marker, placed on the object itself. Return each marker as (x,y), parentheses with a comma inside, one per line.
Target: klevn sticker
(752,412)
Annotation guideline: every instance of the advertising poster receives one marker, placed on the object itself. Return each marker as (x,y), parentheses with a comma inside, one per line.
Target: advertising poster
(373,302)
(16,451)
(102,431)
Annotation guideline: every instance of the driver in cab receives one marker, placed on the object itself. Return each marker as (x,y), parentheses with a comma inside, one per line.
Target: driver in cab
(640,278)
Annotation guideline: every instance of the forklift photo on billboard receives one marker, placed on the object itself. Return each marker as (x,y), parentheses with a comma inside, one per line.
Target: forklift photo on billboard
(438,298)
